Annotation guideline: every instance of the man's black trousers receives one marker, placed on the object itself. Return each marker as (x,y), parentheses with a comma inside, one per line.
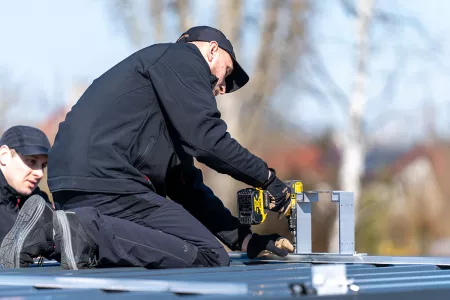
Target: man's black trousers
(144,230)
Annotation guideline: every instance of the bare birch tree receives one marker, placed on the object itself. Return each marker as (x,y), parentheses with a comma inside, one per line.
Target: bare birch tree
(353,146)
(352,166)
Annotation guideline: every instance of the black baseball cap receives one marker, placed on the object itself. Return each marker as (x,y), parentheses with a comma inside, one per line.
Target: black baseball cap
(26,140)
(238,78)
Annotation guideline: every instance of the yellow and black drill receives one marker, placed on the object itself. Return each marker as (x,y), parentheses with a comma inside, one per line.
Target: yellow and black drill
(253,206)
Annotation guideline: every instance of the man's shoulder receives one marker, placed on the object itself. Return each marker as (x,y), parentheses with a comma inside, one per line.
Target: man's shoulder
(184,59)
(164,49)
(179,53)
(148,55)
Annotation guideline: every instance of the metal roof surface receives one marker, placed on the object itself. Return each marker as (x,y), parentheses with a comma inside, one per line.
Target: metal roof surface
(244,279)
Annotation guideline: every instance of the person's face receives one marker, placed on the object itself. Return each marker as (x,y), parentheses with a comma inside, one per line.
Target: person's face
(22,172)
(221,66)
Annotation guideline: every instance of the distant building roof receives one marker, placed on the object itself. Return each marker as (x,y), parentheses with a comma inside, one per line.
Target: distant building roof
(307,159)
(439,156)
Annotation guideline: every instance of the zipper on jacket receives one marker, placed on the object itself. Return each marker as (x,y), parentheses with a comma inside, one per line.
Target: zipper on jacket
(147,151)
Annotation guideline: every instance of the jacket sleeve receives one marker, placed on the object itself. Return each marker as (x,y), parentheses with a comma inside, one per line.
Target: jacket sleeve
(184,89)
(186,187)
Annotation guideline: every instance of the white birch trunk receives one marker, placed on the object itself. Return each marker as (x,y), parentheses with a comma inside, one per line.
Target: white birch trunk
(353,147)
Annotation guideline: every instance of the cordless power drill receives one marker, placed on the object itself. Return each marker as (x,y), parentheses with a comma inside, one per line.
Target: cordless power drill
(253,206)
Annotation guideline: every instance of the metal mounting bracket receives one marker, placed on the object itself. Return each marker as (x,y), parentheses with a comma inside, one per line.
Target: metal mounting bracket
(346,216)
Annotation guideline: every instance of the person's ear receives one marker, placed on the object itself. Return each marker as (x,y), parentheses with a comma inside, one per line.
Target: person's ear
(213,50)
(5,155)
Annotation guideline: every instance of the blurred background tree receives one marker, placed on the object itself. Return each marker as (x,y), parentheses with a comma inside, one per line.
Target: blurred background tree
(283,52)
(364,102)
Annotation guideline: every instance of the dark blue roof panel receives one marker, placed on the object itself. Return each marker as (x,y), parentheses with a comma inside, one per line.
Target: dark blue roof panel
(244,279)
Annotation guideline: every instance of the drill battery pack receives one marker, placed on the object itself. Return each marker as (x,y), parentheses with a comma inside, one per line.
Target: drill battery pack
(253,205)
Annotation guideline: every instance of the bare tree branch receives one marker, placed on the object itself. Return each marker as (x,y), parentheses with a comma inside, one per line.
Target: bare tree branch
(321,71)
(390,118)
(408,21)
(316,88)
(182,10)
(349,8)
(230,20)
(282,64)
(9,98)
(262,73)
(157,12)
(317,93)
(390,87)
(390,18)
(296,37)
(124,10)
(235,30)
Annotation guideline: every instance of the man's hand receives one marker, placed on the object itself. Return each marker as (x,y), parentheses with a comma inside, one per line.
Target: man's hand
(260,245)
(279,193)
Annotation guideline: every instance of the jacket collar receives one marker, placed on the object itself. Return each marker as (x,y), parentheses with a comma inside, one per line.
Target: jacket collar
(6,190)
(212,78)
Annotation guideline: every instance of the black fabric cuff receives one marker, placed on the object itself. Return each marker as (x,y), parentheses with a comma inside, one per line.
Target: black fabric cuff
(272,177)
(235,238)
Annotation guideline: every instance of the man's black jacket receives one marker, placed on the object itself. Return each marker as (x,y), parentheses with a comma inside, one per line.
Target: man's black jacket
(10,204)
(139,125)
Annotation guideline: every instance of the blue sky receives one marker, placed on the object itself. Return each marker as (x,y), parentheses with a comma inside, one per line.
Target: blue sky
(46,45)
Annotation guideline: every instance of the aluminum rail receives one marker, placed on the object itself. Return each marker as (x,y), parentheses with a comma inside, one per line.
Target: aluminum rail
(350,259)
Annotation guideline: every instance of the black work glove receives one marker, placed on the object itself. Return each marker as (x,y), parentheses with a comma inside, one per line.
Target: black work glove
(260,245)
(279,193)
